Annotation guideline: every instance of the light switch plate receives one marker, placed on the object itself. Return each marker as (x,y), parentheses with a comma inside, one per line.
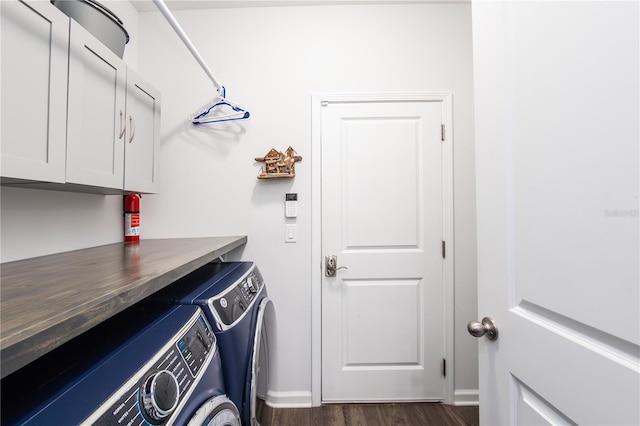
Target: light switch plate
(290,233)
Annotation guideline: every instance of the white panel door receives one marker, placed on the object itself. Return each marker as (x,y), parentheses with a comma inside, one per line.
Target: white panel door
(557,114)
(382,214)
(96,117)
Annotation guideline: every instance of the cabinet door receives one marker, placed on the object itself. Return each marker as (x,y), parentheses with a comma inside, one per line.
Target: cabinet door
(35,38)
(96,118)
(143,135)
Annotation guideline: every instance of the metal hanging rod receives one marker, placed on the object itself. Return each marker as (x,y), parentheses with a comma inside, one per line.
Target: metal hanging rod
(218,109)
(185,39)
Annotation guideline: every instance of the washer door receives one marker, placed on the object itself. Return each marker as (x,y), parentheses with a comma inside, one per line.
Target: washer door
(217,411)
(263,349)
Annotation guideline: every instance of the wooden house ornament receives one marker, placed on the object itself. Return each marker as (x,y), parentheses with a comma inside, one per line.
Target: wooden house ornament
(278,165)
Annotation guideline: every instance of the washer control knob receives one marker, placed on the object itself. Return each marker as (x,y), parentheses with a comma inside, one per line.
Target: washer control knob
(253,286)
(160,395)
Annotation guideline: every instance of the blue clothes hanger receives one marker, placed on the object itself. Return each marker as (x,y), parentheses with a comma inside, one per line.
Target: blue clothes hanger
(218,109)
(215,111)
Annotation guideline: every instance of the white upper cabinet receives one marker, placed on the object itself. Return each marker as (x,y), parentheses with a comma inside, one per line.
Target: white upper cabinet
(100,133)
(96,119)
(35,39)
(142,136)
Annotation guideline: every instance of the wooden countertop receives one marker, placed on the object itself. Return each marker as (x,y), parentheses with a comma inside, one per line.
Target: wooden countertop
(47,301)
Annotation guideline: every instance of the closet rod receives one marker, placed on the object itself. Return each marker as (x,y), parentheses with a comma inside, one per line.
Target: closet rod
(185,39)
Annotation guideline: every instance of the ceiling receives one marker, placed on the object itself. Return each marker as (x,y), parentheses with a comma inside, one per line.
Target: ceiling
(148,6)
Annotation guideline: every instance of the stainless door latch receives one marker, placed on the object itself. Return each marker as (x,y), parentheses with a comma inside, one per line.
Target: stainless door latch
(331,265)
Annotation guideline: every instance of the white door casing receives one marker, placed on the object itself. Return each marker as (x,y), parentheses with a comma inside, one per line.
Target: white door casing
(384,191)
(557,162)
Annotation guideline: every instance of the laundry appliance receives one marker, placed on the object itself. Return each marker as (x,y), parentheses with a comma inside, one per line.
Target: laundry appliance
(234,297)
(149,365)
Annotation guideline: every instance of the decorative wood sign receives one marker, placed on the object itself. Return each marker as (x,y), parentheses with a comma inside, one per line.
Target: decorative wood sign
(278,165)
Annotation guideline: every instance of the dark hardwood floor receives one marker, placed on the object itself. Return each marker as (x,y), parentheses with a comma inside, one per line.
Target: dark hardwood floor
(409,414)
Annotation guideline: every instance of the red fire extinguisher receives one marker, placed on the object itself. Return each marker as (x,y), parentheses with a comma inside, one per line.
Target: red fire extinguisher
(132,218)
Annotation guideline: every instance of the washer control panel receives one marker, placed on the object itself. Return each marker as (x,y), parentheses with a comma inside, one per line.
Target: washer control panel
(230,306)
(154,393)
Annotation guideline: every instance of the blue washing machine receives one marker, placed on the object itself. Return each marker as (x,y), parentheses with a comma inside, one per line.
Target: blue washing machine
(151,365)
(234,298)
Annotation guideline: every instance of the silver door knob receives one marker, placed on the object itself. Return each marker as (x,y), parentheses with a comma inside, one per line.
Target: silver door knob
(485,328)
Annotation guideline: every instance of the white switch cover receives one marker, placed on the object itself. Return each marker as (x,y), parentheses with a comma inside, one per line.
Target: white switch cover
(290,233)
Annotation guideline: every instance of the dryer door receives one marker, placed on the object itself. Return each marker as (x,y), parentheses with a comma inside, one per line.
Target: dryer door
(263,351)
(217,411)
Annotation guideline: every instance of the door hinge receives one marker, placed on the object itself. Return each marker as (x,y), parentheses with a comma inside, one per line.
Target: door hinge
(442,132)
(444,367)
(444,250)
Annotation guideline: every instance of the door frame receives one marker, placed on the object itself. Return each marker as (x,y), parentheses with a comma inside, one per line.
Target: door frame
(318,100)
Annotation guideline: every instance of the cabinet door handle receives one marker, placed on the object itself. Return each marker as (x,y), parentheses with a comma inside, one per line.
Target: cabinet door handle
(132,128)
(122,125)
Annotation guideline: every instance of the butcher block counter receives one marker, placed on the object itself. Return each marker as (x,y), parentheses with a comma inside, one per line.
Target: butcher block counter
(49,300)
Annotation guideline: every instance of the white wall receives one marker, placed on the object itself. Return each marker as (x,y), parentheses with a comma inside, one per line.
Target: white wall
(271,59)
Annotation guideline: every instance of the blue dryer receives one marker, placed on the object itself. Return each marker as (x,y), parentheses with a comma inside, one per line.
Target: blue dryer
(234,298)
(153,365)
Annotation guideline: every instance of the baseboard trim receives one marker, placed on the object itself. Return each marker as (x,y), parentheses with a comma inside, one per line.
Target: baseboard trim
(299,399)
(466,397)
(303,399)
